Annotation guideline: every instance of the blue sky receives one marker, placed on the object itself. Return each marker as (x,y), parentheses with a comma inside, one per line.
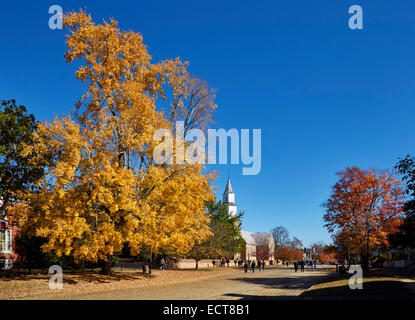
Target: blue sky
(325,96)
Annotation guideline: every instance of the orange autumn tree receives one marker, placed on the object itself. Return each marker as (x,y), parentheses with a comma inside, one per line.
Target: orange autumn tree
(365,206)
(104,188)
(327,257)
(322,252)
(289,254)
(330,254)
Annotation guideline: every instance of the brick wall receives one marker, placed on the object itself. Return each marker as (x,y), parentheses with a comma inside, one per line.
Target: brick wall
(13,256)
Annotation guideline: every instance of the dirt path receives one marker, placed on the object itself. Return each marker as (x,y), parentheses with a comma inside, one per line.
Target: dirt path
(278,283)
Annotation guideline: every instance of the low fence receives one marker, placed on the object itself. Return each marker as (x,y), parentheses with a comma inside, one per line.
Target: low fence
(171,264)
(191,264)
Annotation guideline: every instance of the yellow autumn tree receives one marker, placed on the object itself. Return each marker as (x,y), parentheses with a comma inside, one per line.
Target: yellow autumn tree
(102,186)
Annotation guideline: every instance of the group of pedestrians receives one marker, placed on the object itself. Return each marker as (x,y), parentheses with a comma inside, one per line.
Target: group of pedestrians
(222,263)
(253,264)
(301,264)
(248,265)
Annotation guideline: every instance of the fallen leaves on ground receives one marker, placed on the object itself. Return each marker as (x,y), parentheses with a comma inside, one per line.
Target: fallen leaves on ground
(35,286)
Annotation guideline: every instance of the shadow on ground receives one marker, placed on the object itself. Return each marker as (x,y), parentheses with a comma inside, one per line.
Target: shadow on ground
(284,283)
(75,277)
(373,290)
(254,297)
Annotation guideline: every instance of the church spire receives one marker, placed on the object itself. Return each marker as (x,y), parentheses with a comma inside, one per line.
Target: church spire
(228,187)
(229,199)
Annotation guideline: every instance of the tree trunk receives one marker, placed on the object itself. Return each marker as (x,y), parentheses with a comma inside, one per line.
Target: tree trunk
(197,264)
(363,261)
(367,256)
(106,266)
(348,254)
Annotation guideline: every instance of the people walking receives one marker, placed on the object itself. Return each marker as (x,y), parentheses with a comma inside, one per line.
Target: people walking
(295,266)
(227,262)
(263,265)
(162,264)
(253,266)
(246,266)
(213,262)
(259,265)
(302,265)
(287,264)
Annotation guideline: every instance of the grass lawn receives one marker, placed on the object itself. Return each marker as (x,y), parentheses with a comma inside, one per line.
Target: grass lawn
(376,285)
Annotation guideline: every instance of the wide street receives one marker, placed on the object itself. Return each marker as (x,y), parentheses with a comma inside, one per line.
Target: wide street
(273,283)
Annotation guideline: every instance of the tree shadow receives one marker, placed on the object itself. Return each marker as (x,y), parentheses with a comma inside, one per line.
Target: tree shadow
(372,290)
(285,283)
(81,276)
(100,278)
(253,297)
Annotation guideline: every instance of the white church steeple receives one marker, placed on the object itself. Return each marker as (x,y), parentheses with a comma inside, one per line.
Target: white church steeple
(229,199)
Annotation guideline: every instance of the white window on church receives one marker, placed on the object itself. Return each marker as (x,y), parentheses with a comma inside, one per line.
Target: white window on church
(6,241)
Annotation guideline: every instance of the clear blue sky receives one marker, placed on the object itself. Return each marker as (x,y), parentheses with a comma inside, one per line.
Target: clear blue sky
(326,97)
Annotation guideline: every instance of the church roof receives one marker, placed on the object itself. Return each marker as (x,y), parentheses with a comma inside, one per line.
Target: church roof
(262,238)
(256,238)
(228,187)
(248,237)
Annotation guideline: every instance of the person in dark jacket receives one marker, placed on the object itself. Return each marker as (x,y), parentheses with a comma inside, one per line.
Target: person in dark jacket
(295,266)
(259,265)
(253,266)
(302,266)
(246,266)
